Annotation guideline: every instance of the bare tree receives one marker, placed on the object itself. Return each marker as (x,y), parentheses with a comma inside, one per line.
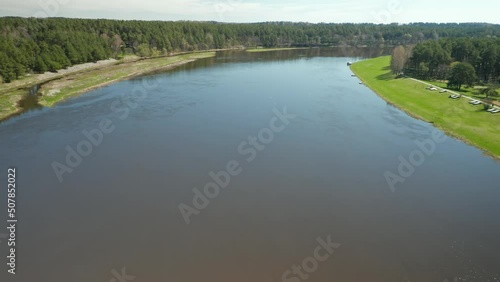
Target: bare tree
(398,59)
(116,44)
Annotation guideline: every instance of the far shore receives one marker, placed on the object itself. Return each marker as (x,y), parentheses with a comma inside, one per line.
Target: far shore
(78,79)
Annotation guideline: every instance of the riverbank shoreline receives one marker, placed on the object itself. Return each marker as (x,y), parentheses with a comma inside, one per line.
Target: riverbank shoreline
(470,124)
(66,83)
(79,79)
(260,50)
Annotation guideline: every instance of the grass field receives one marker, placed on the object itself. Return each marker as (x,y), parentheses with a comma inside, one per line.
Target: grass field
(65,86)
(458,118)
(474,92)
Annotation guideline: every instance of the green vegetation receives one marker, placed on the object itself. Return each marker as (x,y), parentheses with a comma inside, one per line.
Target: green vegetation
(460,74)
(36,45)
(459,60)
(64,86)
(457,117)
(478,92)
(8,103)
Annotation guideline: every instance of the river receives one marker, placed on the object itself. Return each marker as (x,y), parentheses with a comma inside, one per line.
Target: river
(309,158)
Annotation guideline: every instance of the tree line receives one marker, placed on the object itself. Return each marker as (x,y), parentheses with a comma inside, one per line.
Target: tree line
(461,61)
(38,45)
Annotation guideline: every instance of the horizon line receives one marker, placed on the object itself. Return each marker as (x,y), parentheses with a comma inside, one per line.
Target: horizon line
(276,21)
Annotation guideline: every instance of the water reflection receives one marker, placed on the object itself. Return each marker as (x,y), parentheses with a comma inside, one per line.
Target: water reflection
(30,101)
(295,54)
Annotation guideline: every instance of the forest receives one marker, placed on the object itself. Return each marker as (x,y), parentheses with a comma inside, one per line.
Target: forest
(458,60)
(36,45)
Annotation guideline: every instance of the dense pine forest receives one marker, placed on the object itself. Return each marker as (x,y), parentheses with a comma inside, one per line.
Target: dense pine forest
(436,59)
(38,45)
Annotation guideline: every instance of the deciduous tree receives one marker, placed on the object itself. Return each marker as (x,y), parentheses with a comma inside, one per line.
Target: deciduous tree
(460,74)
(398,59)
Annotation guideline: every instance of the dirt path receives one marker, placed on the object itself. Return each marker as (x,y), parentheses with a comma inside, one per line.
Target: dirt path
(32,79)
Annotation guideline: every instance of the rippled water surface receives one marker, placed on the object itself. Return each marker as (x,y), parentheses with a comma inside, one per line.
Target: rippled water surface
(319,176)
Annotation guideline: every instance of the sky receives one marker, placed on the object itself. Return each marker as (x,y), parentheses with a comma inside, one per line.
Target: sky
(314,11)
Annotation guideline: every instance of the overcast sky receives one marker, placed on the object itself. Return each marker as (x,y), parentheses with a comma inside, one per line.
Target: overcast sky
(374,11)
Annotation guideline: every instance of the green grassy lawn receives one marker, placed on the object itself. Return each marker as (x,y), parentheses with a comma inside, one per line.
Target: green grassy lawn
(256,50)
(457,117)
(474,92)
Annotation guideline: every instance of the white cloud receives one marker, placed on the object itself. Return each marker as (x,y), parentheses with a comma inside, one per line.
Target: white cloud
(259,10)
